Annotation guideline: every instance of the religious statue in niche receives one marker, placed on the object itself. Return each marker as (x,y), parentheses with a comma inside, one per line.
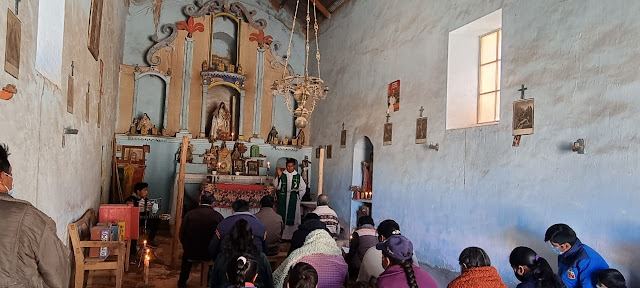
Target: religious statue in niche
(224,160)
(221,124)
(367,175)
(301,138)
(145,126)
(273,136)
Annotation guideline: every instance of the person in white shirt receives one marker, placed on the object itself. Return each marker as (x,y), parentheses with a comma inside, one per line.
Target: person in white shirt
(290,188)
(327,215)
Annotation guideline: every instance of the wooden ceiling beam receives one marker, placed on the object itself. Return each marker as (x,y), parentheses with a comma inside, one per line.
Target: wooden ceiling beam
(322,9)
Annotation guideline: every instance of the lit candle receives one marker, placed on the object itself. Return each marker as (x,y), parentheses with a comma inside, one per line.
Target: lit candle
(268,165)
(232,134)
(146,269)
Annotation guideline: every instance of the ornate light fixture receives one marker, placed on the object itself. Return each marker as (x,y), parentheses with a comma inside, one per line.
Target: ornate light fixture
(304,89)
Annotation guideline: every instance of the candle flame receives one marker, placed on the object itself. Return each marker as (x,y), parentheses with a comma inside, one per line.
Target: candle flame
(147,257)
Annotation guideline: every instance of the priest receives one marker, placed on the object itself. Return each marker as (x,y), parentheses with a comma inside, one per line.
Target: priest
(290,189)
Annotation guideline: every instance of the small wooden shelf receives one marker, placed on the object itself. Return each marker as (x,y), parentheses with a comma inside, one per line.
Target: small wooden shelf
(363,200)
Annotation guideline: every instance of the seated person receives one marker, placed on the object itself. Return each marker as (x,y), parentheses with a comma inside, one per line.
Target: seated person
(327,215)
(273,222)
(310,223)
(532,270)
(243,272)
(302,275)
(197,229)
(476,271)
(320,251)
(139,199)
(399,270)
(611,278)
(362,239)
(240,211)
(371,267)
(578,264)
(240,243)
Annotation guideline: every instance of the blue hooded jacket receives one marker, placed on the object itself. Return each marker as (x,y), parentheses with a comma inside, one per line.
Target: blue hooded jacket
(578,266)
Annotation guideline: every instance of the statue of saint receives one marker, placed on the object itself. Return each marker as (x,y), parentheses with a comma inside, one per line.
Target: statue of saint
(145,125)
(305,168)
(367,175)
(133,129)
(220,124)
(273,136)
(301,137)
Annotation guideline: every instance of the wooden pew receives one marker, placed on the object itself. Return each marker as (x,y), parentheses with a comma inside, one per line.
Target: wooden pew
(80,232)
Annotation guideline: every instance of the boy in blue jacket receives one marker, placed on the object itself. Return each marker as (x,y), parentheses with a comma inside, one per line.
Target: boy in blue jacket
(578,264)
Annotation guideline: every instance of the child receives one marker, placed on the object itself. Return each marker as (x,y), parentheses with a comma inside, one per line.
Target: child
(302,275)
(611,278)
(242,272)
(532,270)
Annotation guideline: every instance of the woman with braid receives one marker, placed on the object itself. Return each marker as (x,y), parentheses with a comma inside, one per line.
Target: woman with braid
(400,271)
(243,272)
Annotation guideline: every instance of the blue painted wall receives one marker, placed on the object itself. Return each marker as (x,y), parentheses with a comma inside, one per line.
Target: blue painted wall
(580,61)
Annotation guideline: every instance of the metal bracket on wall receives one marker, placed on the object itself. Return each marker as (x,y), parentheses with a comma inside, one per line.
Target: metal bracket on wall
(578,146)
(434,146)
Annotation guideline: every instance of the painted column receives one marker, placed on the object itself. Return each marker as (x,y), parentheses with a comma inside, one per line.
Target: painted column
(257,104)
(203,117)
(241,122)
(186,85)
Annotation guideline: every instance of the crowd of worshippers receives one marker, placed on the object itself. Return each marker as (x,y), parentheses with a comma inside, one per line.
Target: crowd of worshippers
(31,255)
(379,256)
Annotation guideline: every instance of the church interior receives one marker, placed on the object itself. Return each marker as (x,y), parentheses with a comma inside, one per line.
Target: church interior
(378,109)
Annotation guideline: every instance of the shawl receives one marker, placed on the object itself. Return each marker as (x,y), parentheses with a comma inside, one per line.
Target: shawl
(480,277)
(317,242)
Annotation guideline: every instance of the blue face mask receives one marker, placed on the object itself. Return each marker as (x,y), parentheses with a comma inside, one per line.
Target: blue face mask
(556,249)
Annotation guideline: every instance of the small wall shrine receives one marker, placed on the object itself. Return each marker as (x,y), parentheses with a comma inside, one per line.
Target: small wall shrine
(206,80)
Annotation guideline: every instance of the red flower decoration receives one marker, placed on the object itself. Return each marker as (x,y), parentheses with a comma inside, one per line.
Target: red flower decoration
(190,26)
(261,39)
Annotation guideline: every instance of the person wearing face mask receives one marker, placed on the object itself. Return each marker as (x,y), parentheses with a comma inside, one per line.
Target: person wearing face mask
(577,262)
(399,269)
(532,270)
(290,188)
(611,278)
(31,255)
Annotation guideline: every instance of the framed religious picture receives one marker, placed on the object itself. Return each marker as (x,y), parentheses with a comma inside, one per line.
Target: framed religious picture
(421,130)
(329,151)
(343,139)
(134,155)
(393,96)
(523,120)
(318,152)
(238,166)
(95,23)
(252,168)
(146,148)
(388,134)
(12,45)
(260,163)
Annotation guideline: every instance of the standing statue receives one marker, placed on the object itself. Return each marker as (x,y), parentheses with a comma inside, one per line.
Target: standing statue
(305,169)
(273,135)
(367,175)
(301,137)
(133,129)
(220,124)
(145,125)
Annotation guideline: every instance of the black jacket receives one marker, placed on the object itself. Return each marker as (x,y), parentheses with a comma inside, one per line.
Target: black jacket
(297,240)
(198,228)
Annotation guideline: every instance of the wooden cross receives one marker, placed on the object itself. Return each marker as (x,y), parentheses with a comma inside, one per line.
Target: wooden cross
(421,110)
(388,116)
(522,91)
(72,66)
(17,6)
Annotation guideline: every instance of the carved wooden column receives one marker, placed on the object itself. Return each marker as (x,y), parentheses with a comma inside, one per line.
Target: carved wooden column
(186,85)
(257,104)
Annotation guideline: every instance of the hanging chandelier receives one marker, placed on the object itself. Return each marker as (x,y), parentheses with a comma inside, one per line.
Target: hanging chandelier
(305,89)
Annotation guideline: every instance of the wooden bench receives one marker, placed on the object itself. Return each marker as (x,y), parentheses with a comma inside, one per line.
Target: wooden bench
(80,232)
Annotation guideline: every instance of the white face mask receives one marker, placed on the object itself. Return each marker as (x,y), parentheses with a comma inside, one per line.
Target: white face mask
(10,191)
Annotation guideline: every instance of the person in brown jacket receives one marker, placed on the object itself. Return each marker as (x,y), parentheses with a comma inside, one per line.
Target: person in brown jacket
(31,255)
(476,271)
